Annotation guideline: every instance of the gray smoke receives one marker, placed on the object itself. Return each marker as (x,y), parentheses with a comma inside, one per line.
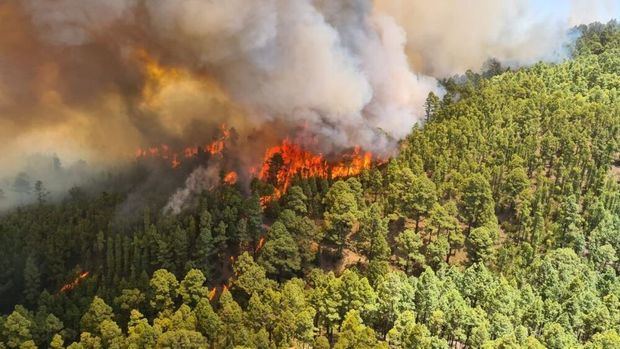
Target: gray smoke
(199,180)
(352,71)
(95,79)
(337,67)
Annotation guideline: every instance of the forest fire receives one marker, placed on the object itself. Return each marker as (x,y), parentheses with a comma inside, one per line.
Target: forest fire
(280,165)
(260,244)
(175,158)
(285,161)
(212,293)
(71,285)
(230,178)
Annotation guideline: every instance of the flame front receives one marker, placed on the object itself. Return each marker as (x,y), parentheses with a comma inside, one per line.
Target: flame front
(285,161)
(175,158)
(281,163)
(71,285)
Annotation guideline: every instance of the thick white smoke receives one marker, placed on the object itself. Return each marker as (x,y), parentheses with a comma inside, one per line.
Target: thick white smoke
(448,37)
(353,71)
(336,66)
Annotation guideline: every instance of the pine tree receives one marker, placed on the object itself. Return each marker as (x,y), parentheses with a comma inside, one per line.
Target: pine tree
(341,213)
(280,255)
(32,281)
(16,329)
(251,277)
(57,342)
(208,322)
(118,255)
(254,217)
(110,266)
(192,288)
(409,246)
(373,234)
(296,200)
(205,246)
(40,192)
(180,244)
(164,289)
(97,312)
(231,315)
(477,201)
(354,334)
(431,105)
(126,254)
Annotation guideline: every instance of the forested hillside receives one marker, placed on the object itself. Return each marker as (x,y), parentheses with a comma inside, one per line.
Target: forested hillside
(496,226)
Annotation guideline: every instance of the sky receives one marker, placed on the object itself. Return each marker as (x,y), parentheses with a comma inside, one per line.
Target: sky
(577,11)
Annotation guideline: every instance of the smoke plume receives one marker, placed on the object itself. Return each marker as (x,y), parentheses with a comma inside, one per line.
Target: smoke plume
(95,79)
(200,179)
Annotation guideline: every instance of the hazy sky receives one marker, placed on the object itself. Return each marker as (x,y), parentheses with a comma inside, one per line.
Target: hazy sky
(577,11)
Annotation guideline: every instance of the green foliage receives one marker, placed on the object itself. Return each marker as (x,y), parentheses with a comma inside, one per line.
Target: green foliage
(280,255)
(57,342)
(597,38)
(16,329)
(374,233)
(480,244)
(354,334)
(32,281)
(251,277)
(181,339)
(341,213)
(130,299)
(477,201)
(192,288)
(208,322)
(296,200)
(409,245)
(164,289)
(97,312)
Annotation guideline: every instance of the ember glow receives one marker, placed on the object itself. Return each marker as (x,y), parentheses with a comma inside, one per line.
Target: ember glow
(71,285)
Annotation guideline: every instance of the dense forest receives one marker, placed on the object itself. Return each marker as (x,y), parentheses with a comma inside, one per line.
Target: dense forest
(497,225)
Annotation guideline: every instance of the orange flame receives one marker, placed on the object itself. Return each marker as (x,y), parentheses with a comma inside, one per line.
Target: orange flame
(358,163)
(71,285)
(212,293)
(260,244)
(163,151)
(230,178)
(157,76)
(285,161)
